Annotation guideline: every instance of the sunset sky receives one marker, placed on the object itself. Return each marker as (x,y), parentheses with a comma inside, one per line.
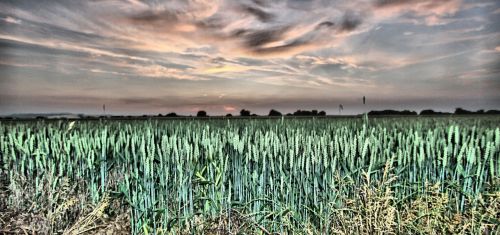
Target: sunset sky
(221,56)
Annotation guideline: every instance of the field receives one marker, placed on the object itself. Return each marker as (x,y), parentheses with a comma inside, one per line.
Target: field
(406,175)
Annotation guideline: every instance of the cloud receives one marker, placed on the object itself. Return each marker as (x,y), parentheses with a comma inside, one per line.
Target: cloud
(292,47)
(258,13)
(224,69)
(256,32)
(12,20)
(256,39)
(228,108)
(350,21)
(158,71)
(326,24)
(432,11)
(318,49)
(61,45)
(148,17)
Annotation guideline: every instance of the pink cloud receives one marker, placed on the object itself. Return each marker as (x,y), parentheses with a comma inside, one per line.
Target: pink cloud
(229,108)
(431,11)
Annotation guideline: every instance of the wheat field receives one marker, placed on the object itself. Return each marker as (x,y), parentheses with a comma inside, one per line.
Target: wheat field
(418,175)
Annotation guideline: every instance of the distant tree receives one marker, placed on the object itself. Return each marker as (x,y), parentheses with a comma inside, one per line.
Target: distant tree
(274,113)
(462,111)
(493,112)
(160,115)
(427,112)
(408,112)
(254,115)
(229,115)
(302,113)
(201,113)
(432,112)
(309,113)
(244,113)
(289,114)
(171,115)
(391,112)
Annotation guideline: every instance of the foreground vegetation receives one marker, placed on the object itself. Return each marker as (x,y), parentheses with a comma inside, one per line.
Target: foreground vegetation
(307,176)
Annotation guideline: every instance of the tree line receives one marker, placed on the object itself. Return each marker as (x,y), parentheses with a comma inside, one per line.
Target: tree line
(272,113)
(388,112)
(298,113)
(458,111)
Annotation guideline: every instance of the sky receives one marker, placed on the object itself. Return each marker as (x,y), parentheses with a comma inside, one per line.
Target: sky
(150,57)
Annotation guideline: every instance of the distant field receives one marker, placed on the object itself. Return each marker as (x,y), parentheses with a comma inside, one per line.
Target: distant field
(406,175)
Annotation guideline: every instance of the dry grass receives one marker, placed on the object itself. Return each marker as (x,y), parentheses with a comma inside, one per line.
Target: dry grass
(376,211)
(64,210)
(373,210)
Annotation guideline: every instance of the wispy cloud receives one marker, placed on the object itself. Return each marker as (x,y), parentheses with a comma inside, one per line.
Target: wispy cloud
(233,51)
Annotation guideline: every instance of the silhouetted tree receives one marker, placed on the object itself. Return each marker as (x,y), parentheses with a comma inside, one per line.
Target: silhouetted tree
(289,114)
(309,113)
(462,111)
(229,115)
(478,112)
(171,115)
(427,112)
(302,113)
(254,115)
(244,113)
(201,113)
(391,112)
(493,112)
(273,112)
(160,115)
(431,112)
